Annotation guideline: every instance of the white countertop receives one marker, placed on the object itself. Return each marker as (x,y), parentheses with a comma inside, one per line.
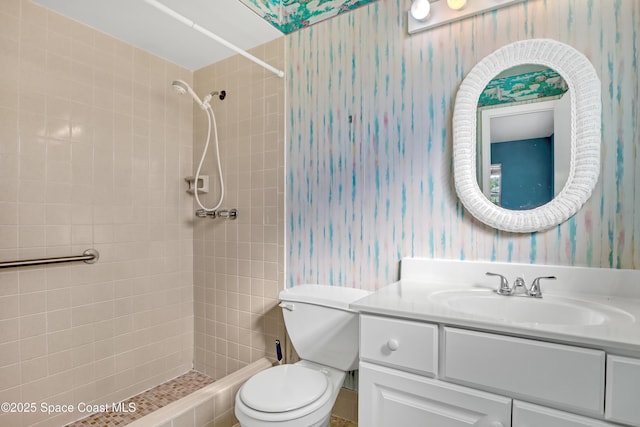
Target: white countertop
(416,300)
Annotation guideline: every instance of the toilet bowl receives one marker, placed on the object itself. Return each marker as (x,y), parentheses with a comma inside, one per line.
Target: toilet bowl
(324,332)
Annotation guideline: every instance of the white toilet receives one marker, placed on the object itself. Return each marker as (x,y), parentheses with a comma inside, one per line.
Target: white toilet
(324,332)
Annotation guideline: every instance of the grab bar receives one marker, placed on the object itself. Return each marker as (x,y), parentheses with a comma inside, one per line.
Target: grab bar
(90,256)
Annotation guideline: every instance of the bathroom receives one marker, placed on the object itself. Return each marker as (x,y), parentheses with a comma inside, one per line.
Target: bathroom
(337,171)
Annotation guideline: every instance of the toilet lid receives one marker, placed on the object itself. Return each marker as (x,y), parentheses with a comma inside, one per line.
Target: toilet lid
(283,388)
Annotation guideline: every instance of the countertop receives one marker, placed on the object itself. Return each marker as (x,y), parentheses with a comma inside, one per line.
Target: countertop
(417,300)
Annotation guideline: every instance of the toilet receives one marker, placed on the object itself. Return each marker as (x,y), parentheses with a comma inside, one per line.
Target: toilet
(324,332)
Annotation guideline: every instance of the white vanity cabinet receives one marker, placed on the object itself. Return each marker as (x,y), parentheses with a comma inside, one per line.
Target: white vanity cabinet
(405,396)
(415,373)
(390,397)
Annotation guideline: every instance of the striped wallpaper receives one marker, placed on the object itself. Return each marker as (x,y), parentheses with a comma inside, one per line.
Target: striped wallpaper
(369,165)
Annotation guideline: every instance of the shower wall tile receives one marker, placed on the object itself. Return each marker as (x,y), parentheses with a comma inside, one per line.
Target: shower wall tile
(94,146)
(239,265)
(369,142)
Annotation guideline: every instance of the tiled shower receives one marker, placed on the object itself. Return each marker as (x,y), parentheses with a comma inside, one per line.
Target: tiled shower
(94,149)
(239,264)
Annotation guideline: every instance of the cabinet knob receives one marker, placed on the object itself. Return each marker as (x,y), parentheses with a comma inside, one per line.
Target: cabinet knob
(393,344)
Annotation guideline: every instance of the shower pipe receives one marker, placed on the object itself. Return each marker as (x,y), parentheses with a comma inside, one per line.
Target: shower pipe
(191,24)
(90,256)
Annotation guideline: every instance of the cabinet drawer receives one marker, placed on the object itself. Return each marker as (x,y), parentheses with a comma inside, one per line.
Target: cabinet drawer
(404,344)
(552,374)
(623,390)
(528,415)
(389,397)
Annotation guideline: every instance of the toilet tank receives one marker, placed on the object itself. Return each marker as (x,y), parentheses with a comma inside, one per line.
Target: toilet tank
(320,324)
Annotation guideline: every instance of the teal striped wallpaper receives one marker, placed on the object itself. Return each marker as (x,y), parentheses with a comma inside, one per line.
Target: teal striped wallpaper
(369,165)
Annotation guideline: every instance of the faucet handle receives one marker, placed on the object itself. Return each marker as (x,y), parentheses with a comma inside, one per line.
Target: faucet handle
(535,290)
(504,284)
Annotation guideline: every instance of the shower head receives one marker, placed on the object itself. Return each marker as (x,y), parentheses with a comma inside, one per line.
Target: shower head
(181,87)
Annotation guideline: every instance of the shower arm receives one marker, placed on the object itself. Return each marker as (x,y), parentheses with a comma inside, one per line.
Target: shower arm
(189,23)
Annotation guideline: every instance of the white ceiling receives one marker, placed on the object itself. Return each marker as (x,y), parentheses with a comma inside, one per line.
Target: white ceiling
(518,127)
(143,26)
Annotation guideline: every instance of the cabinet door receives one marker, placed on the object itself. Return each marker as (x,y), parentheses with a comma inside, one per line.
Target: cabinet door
(388,397)
(528,415)
(623,390)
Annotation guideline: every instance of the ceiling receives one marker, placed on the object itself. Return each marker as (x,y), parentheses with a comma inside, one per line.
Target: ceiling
(518,127)
(141,25)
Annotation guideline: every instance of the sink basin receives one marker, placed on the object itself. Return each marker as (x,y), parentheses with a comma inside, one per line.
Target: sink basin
(550,310)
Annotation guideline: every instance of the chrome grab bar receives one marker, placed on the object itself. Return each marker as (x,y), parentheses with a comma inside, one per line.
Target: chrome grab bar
(90,256)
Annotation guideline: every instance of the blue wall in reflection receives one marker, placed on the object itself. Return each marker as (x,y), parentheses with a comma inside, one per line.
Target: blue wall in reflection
(527,172)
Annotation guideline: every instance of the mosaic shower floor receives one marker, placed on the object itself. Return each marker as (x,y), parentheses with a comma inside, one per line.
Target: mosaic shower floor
(148,401)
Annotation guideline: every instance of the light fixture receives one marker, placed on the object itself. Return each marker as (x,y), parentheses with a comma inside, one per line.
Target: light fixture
(442,12)
(420,10)
(456,4)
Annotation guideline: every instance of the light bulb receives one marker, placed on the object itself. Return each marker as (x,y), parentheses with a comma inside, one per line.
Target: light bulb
(420,9)
(456,4)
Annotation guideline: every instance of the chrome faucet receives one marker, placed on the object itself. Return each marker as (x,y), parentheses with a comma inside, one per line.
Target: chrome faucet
(535,290)
(519,286)
(507,290)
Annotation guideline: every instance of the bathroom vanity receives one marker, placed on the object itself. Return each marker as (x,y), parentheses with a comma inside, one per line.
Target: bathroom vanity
(441,348)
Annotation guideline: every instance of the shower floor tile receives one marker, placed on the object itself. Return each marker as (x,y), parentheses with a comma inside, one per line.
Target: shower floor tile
(148,401)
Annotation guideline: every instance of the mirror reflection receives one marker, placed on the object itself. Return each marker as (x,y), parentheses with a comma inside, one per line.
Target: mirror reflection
(523,137)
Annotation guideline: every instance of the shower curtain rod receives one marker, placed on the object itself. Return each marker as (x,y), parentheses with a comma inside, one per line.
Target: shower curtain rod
(189,23)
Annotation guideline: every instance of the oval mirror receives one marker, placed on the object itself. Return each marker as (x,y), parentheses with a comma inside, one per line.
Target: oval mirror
(526,132)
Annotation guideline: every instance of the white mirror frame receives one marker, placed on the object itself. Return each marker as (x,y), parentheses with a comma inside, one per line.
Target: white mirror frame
(584,88)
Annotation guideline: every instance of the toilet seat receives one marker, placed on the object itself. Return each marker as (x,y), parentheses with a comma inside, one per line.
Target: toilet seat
(314,414)
(284,388)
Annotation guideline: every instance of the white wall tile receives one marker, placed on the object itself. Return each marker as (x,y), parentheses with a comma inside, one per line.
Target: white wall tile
(68,121)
